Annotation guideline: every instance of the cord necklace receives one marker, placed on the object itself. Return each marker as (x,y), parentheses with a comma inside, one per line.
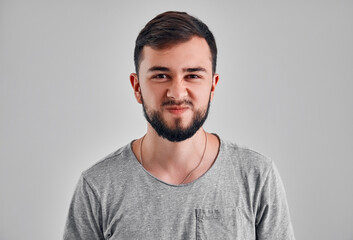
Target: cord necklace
(189,174)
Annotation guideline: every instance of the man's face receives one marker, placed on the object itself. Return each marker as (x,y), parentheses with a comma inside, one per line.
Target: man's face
(176,86)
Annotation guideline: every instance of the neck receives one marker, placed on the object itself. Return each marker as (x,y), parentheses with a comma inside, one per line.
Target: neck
(168,155)
(176,162)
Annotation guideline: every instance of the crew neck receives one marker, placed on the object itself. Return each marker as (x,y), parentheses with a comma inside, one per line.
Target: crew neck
(204,175)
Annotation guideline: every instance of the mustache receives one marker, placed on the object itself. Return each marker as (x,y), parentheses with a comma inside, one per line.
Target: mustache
(177,103)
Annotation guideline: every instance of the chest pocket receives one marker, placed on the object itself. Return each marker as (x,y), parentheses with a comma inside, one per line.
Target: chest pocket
(219,224)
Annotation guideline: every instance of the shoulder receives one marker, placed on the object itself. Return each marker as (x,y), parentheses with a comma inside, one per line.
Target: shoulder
(245,160)
(114,164)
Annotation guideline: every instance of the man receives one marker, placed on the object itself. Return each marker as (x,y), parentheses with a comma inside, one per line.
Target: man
(178,181)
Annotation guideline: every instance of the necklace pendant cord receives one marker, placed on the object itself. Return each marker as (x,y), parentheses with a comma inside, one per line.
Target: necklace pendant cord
(189,174)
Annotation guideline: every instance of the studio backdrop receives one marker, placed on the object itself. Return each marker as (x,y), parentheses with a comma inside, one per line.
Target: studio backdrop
(285,90)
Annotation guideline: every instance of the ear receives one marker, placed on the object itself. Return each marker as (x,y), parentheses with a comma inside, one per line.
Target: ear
(214,84)
(136,87)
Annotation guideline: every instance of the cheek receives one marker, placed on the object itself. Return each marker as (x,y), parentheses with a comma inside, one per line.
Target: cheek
(202,93)
(152,96)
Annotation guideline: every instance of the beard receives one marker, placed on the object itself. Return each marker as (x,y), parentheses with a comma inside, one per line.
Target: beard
(177,133)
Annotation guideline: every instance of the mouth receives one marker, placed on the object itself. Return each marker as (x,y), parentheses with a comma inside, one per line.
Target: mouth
(177,110)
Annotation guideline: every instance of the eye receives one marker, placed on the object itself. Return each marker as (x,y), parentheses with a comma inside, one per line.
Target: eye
(193,76)
(160,76)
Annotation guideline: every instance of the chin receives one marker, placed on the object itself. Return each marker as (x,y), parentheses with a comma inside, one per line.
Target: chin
(179,124)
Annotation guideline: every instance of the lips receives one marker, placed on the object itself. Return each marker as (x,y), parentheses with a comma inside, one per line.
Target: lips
(177,109)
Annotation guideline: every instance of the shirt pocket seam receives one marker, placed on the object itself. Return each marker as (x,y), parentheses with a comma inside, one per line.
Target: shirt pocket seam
(221,216)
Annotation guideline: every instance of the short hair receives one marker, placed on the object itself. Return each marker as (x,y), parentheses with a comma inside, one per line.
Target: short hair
(170,28)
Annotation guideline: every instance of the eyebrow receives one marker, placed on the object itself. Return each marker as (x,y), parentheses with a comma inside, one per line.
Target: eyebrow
(196,69)
(165,69)
(159,69)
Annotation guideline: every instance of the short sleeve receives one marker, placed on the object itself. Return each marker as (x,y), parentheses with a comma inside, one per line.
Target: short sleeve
(272,216)
(84,217)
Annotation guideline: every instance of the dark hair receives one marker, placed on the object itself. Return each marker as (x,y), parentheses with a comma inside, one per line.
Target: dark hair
(170,28)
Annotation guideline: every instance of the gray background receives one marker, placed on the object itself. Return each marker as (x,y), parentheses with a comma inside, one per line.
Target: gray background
(285,90)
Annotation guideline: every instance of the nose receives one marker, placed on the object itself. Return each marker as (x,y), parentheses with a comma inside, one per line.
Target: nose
(177,90)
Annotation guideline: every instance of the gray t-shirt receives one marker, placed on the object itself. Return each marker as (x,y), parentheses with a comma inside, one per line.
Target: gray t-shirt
(240,197)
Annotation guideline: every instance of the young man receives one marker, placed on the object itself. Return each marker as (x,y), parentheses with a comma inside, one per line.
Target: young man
(178,181)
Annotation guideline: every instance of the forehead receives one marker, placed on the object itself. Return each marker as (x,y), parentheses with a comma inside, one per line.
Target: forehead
(192,53)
